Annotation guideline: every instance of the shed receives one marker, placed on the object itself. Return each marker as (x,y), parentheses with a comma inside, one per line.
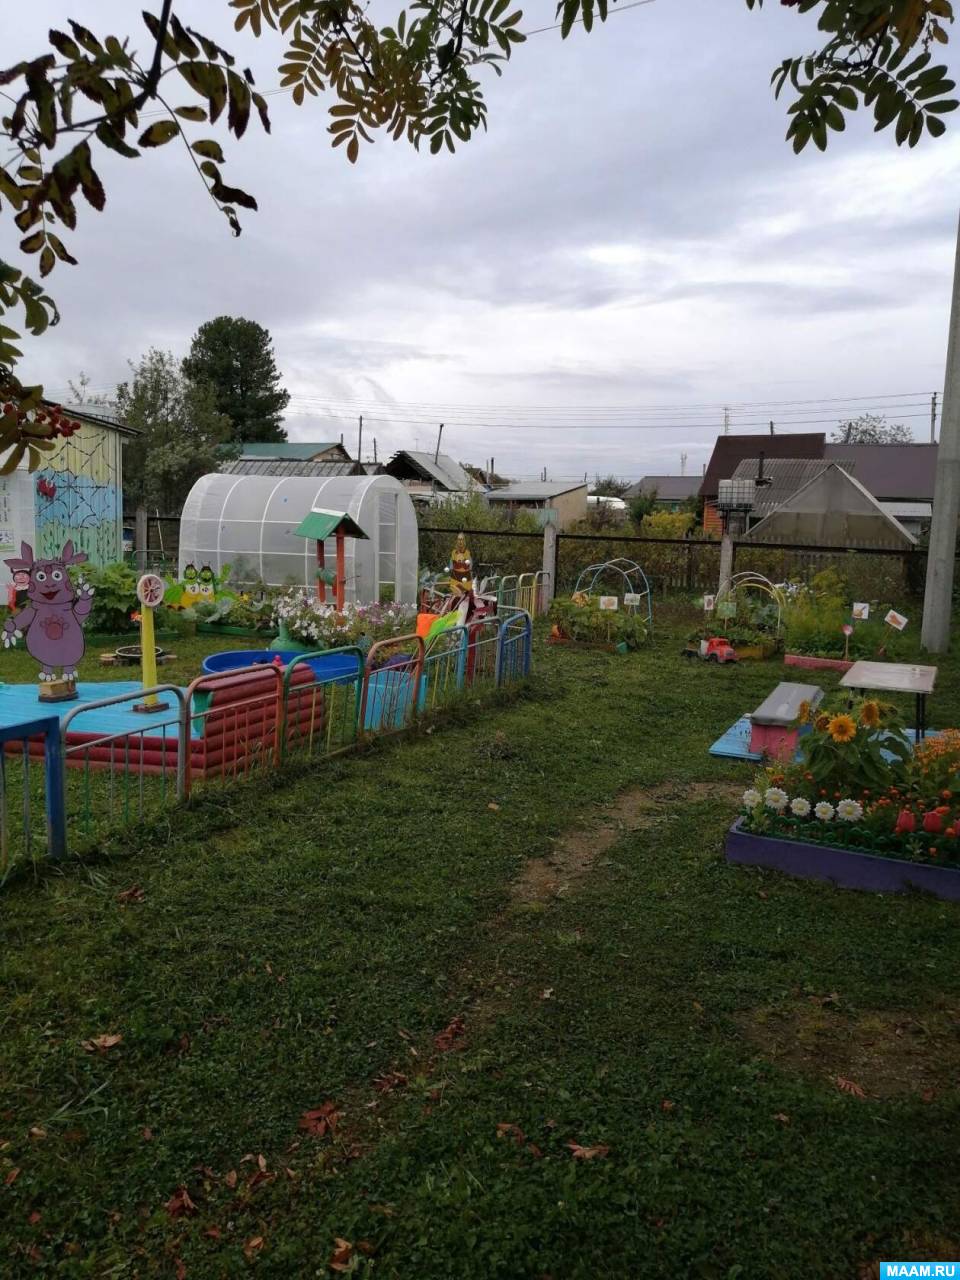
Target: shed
(832,509)
(566,498)
(250,522)
(431,477)
(76,494)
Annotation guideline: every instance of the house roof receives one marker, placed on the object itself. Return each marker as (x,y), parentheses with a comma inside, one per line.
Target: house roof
(832,509)
(287,467)
(786,476)
(668,488)
(441,470)
(302,450)
(101,415)
(890,471)
(730,451)
(908,510)
(533,491)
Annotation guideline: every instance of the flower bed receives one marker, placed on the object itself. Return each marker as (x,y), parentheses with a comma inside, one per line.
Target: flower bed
(810,663)
(861,790)
(580,620)
(846,867)
(301,617)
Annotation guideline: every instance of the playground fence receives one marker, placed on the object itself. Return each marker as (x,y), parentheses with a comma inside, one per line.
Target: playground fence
(59,776)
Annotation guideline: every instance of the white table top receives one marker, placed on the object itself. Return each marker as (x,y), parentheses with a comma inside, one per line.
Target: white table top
(894,677)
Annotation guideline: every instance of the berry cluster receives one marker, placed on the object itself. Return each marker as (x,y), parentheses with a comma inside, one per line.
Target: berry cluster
(52,417)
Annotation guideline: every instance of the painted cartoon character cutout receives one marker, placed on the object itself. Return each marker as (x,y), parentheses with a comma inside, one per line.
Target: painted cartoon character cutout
(54,611)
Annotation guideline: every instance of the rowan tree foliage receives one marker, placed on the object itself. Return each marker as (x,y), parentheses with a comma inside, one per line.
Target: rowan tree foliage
(182,433)
(234,358)
(417,78)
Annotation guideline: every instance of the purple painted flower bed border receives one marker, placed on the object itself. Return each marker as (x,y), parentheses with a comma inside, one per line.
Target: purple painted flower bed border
(848,868)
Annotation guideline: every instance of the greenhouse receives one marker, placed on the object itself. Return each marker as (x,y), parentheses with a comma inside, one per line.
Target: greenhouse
(250,523)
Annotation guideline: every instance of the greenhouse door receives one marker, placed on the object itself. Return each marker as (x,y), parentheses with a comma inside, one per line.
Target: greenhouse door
(387,548)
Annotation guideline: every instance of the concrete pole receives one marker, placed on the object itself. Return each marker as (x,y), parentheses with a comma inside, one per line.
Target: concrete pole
(938,590)
(549,564)
(140,537)
(726,560)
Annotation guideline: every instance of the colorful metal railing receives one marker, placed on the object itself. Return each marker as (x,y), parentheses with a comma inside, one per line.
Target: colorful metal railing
(226,727)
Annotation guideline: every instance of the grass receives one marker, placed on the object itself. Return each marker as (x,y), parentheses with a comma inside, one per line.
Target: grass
(307,939)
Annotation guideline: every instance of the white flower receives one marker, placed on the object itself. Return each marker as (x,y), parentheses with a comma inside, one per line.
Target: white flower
(850,810)
(775,798)
(751,798)
(800,808)
(824,810)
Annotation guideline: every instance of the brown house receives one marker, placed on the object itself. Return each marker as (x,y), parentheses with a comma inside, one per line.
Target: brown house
(730,451)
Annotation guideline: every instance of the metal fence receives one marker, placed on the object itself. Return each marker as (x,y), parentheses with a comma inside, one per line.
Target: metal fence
(96,774)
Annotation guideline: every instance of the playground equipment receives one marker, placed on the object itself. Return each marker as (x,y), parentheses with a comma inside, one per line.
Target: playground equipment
(52,616)
(625,579)
(150,591)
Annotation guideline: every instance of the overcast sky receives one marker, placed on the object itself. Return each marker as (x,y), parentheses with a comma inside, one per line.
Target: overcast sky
(632,241)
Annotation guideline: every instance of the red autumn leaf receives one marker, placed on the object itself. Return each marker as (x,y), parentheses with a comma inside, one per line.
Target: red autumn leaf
(180,1203)
(180,1270)
(366,1248)
(850,1086)
(342,1253)
(34,1218)
(928,1095)
(100,1044)
(389,1081)
(588,1153)
(451,1036)
(253,1247)
(514,1131)
(534,1150)
(146,1134)
(320,1121)
(230,1178)
(133,894)
(667,1105)
(11,1177)
(212,1233)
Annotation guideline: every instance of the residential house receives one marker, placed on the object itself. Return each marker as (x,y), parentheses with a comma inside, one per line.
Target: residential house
(295,450)
(560,502)
(670,493)
(730,450)
(430,478)
(76,494)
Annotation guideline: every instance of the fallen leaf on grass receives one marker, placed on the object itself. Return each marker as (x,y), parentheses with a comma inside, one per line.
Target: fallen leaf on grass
(546,993)
(146,1134)
(230,1179)
(588,1153)
(850,1086)
(38,1133)
(450,1036)
(389,1081)
(253,1247)
(212,1233)
(320,1121)
(507,1130)
(133,894)
(180,1269)
(928,1095)
(11,1177)
(180,1203)
(667,1105)
(342,1253)
(35,1217)
(494,806)
(100,1044)
(782,1117)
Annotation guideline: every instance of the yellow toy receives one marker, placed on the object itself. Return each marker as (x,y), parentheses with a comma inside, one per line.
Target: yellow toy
(461,567)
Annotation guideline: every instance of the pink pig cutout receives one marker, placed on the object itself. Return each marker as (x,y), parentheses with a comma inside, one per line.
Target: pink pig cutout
(54,611)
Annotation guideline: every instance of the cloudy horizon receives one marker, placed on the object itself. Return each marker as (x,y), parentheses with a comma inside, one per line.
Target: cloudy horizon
(631,245)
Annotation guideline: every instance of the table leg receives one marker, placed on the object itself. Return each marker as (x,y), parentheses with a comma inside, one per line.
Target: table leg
(921,716)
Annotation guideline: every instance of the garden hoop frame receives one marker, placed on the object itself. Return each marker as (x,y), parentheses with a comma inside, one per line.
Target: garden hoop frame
(634,582)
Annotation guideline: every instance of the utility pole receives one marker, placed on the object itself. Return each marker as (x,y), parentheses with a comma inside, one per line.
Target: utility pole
(726,421)
(771,428)
(933,418)
(683,464)
(374,450)
(938,589)
(436,454)
(360,441)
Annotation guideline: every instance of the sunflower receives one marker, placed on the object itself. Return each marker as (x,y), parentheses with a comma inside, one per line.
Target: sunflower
(870,714)
(842,728)
(822,723)
(803,715)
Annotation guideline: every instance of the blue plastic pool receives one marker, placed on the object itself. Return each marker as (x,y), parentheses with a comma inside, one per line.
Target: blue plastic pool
(333,666)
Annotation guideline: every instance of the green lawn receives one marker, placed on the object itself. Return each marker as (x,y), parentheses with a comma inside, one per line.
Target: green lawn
(305,940)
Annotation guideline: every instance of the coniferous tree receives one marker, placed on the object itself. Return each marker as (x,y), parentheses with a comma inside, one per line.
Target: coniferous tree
(234,357)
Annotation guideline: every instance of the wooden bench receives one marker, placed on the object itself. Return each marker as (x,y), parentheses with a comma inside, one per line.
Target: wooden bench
(773,726)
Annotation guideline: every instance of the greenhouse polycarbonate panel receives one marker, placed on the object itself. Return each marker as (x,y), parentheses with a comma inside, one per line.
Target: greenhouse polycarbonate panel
(250,522)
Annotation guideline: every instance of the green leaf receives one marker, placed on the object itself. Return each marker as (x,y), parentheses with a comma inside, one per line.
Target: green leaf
(196,114)
(210,149)
(159,133)
(109,136)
